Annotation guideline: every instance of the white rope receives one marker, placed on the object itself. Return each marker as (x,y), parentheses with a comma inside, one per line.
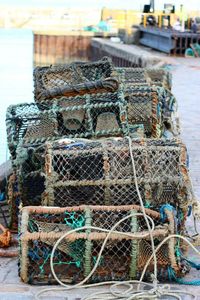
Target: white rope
(154,293)
(143,209)
(134,290)
(112,230)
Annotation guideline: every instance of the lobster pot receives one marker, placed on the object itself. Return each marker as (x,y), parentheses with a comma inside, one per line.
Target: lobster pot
(100,172)
(145,107)
(155,108)
(48,80)
(87,116)
(95,115)
(159,77)
(145,76)
(80,116)
(123,257)
(30,173)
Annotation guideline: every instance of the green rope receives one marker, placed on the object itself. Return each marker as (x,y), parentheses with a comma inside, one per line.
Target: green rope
(88,244)
(74,221)
(134,248)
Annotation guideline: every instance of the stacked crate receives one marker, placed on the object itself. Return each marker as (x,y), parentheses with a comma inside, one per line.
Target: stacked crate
(71,152)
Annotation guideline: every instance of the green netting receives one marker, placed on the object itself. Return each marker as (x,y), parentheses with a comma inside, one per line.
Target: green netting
(81,116)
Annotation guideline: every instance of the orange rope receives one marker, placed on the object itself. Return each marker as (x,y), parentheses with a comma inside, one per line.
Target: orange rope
(5,237)
(6,241)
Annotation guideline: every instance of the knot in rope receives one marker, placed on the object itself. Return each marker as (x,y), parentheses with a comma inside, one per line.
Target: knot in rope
(162,290)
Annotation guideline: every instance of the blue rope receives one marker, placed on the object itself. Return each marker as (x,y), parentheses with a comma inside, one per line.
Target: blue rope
(192,264)
(189,210)
(192,282)
(2,196)
(172,276)
(169,271)
(158,110)
(162,211)
(171,104)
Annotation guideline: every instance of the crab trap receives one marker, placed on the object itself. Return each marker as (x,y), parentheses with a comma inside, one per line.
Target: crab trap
(94,115)
(144,76)
(80,116)
(123,257)
(73,79)
(99,172)
(155,108)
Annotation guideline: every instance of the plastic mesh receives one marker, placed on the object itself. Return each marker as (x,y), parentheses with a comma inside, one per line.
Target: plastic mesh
(122,259)
(100,172)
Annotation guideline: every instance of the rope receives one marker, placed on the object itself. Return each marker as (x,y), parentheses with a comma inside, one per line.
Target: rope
(182,281)
(132,292)
(5,242)
(92,87)
(163,215)
(138,293)
(192,264)
(143,208)
(5,237)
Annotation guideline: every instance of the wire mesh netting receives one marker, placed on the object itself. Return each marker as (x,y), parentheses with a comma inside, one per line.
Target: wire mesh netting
(145,76)
(74,172)
(123,257)
(72,79)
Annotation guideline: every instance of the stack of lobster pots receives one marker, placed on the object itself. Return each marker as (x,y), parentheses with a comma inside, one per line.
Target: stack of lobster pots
(73,151)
